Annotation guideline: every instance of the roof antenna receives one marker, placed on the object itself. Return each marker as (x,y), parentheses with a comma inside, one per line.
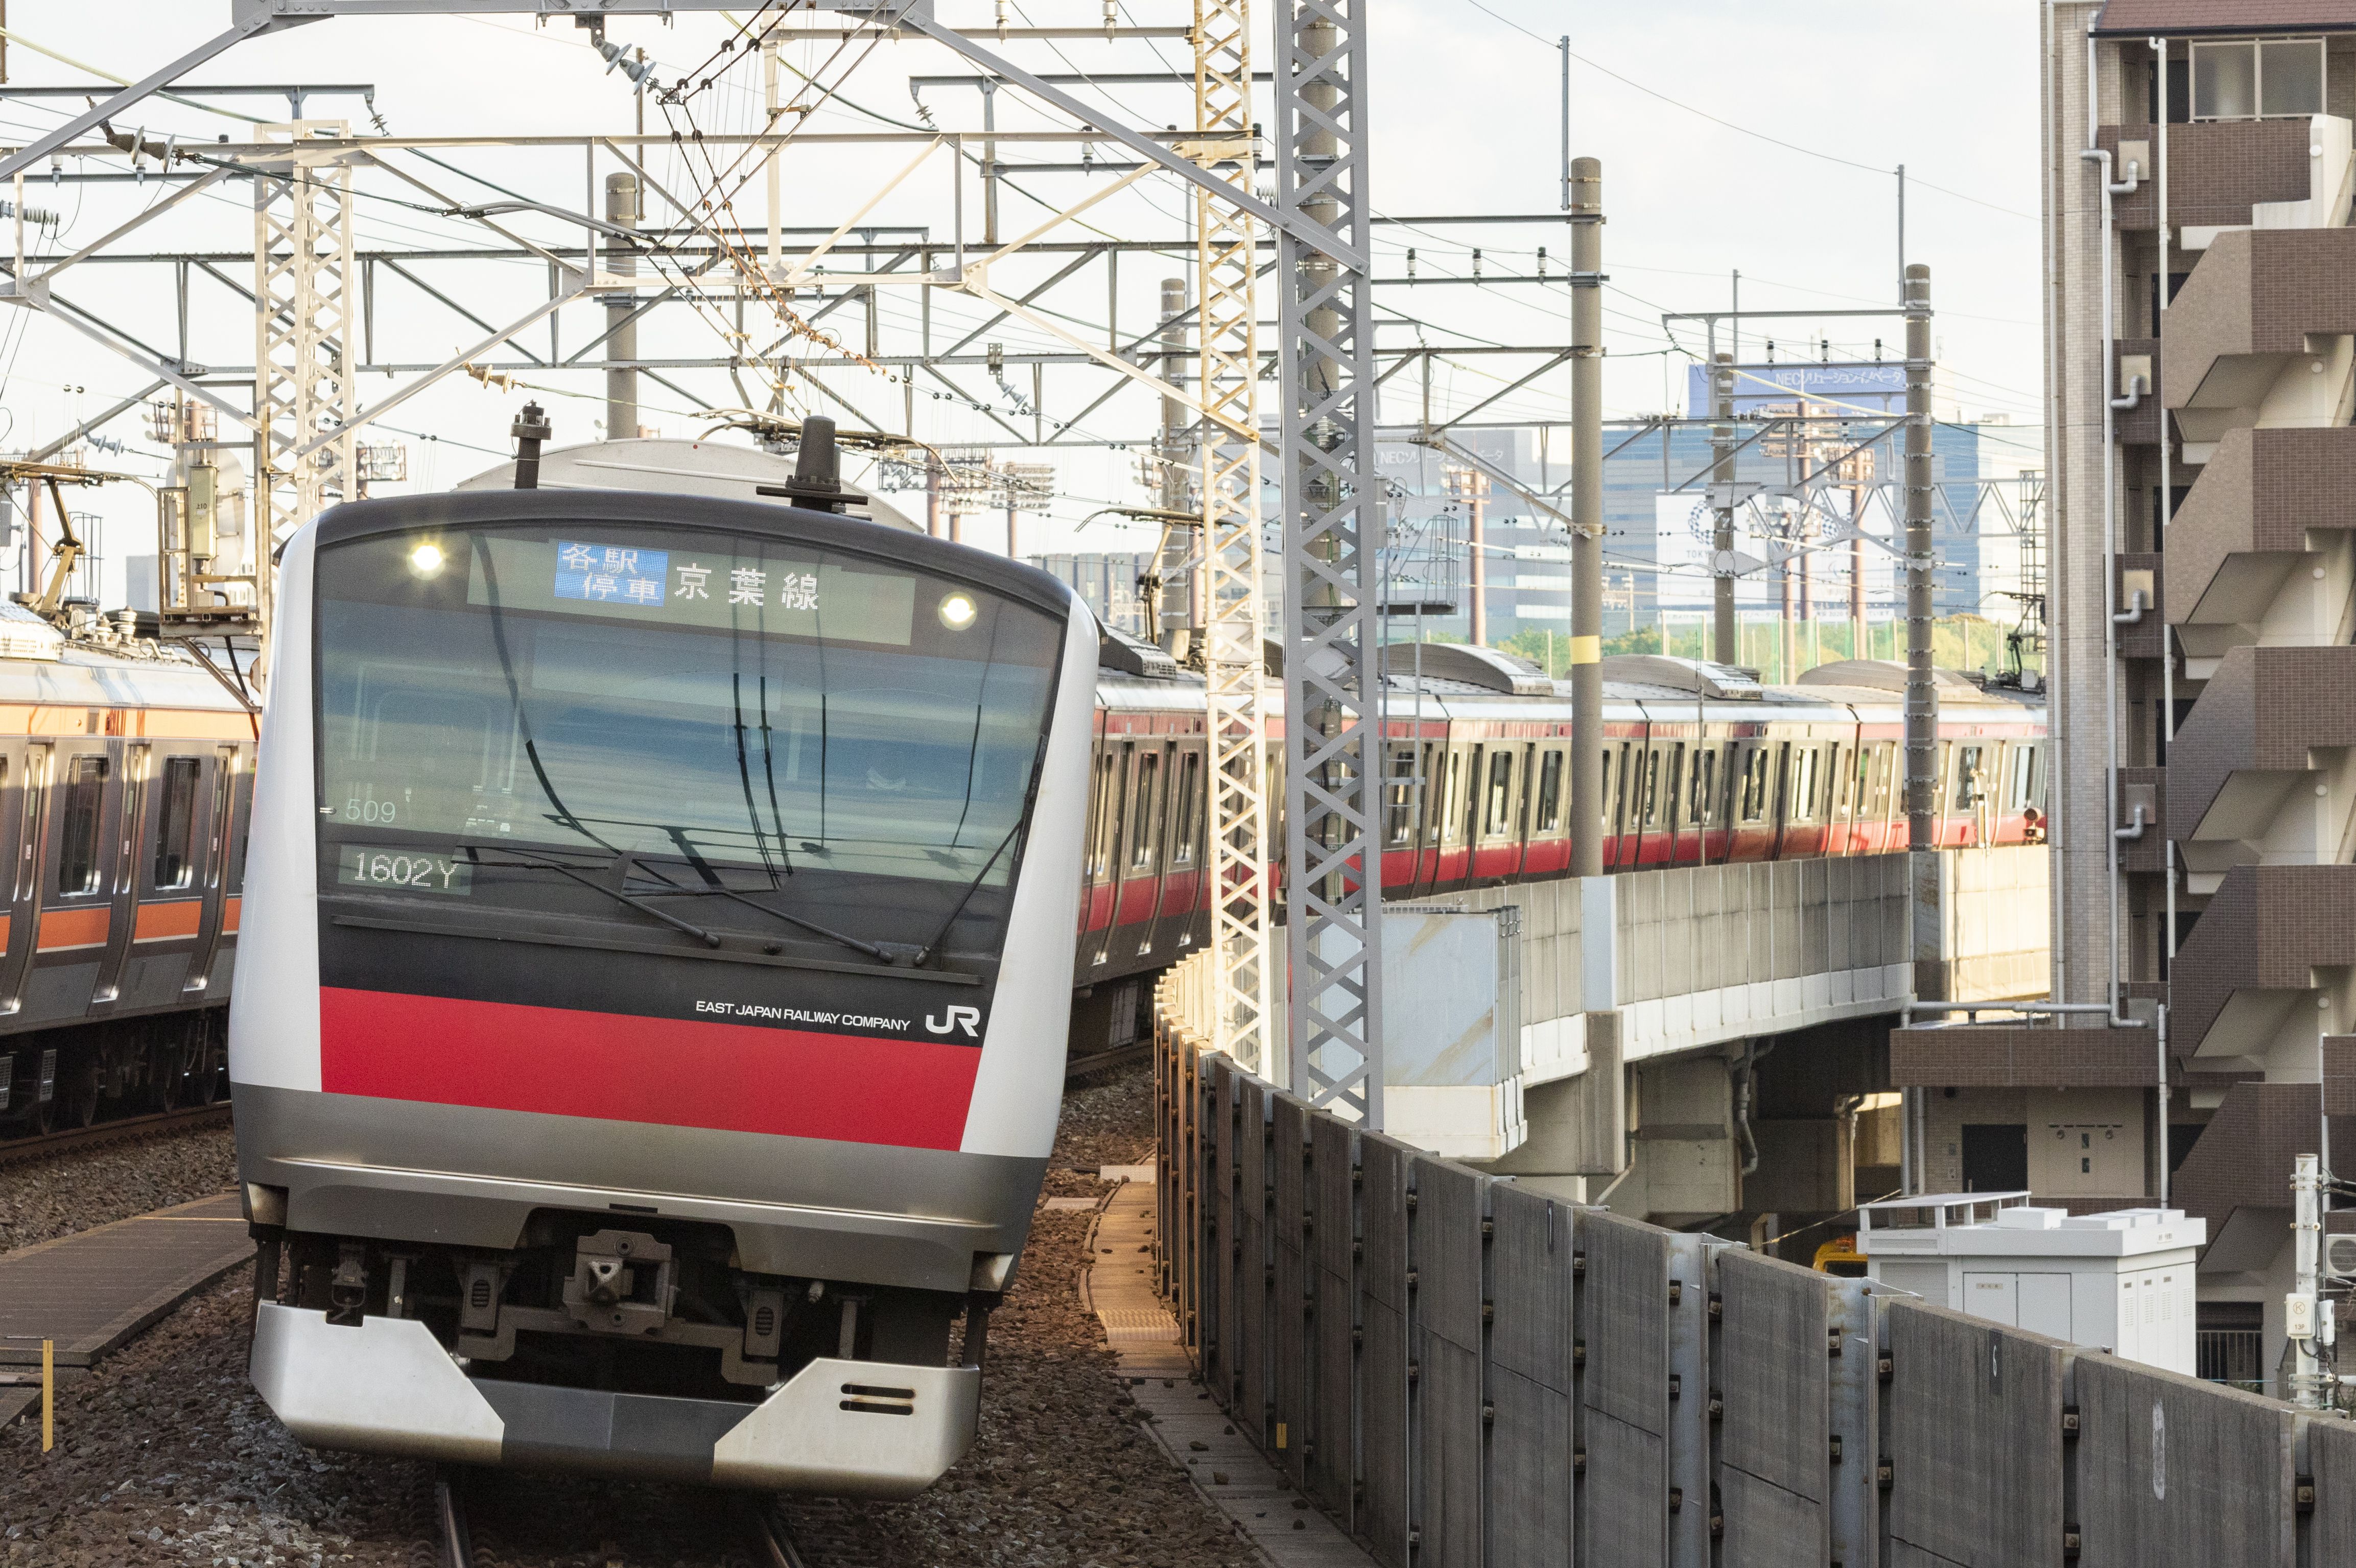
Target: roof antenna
(817,472)
(530,428)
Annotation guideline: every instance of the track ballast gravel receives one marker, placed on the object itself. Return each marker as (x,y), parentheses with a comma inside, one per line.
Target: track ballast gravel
(80,1189)
(165,1456)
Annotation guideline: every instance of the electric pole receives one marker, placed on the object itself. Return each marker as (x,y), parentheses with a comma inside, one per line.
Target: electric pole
(1722,646)
(1925,869)
(621,309)
(1587,518)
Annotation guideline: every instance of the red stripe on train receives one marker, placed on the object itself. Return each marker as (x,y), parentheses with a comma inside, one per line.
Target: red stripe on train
(674,1072)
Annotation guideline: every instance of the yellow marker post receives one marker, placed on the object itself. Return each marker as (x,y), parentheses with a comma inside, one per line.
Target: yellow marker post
(48,1394)
(1587,650)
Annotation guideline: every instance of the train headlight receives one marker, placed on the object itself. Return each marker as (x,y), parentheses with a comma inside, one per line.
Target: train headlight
(957,611)
(426,560)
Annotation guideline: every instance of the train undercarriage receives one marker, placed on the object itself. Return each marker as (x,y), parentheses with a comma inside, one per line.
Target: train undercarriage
(56,1079)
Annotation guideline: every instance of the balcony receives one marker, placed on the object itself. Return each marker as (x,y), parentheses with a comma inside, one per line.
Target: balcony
(2260,336)
(2260,772)
(2272,942)
(2269,503)
(2217,170)
(2021,1056)
(2238,1175)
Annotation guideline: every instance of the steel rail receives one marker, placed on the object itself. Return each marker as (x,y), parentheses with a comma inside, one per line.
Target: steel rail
(43,1145)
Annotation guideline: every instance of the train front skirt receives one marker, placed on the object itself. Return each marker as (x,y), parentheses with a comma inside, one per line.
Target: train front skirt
(849,1428)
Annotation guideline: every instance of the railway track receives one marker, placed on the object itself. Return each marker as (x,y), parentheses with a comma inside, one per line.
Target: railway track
(821,1532)
(124,1129)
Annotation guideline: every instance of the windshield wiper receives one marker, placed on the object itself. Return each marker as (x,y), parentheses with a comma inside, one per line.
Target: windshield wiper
(898,954)
(744,776)
(967,897)
(475,857)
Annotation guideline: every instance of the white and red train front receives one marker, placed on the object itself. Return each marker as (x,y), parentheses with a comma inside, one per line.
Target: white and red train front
(659,942)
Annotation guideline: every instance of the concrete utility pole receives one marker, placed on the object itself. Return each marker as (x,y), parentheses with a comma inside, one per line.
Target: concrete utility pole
(1921,694)
(1722,645)
(621,332)
(1176,631)
(1471,485)
(1587,518)
(1925,871)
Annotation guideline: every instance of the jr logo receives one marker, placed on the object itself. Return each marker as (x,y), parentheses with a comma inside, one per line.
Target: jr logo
(954,1019)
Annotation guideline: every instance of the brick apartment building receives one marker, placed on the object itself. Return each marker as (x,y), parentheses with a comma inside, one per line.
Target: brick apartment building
(2200,373)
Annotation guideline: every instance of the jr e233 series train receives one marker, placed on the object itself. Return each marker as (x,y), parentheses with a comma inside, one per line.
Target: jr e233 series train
(664,921)
(1702,764)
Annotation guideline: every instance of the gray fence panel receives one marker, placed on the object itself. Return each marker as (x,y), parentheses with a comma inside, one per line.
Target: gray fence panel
(1294,1373)
(1219,1243)
(1445,1249)
(1530,1379)
(2332,1458)
(1974,1439)
(1383,1453)
(1623,1321)
(1332,1456)
(1624,1502)
(1767,1527)
(1774,1382)
(1626,1303)
(2173,1473)
(1255,1272)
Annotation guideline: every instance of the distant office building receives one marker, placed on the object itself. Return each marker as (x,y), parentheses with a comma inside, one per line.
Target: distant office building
(1107,583)
(1656,516)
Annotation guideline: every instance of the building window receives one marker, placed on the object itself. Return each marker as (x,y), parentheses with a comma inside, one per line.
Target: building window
(2254,79)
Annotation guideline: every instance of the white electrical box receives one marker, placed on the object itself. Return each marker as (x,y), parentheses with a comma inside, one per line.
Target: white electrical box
(2121,1280)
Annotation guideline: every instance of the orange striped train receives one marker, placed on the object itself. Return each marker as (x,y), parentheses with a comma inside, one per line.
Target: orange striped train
(126,769)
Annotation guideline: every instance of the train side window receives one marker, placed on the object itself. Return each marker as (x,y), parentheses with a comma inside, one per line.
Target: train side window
(1754,783)
(1143,813)
(1187,809)
(1501,793)
(1804,783)
(1704,789)
(1451,818)
(1100,851)
(1967,779)
(175,823)
(1652,812)
(2024,775)
(1550,790)
(85,803)
(241,808)
(1398,796)
(1117,838)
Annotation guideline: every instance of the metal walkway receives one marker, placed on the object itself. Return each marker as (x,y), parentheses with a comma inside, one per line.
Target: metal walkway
(1195,1431)
(90,1292)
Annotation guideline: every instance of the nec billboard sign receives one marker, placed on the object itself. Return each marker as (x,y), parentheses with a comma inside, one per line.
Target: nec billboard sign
(1864,389)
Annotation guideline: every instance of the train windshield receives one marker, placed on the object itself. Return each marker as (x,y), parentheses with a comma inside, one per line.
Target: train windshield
(727,711)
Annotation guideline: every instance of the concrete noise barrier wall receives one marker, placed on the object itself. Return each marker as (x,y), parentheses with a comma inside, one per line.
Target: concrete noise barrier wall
(1465,1374)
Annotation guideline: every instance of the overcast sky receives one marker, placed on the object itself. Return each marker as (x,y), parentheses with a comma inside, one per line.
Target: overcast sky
(1731,133)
